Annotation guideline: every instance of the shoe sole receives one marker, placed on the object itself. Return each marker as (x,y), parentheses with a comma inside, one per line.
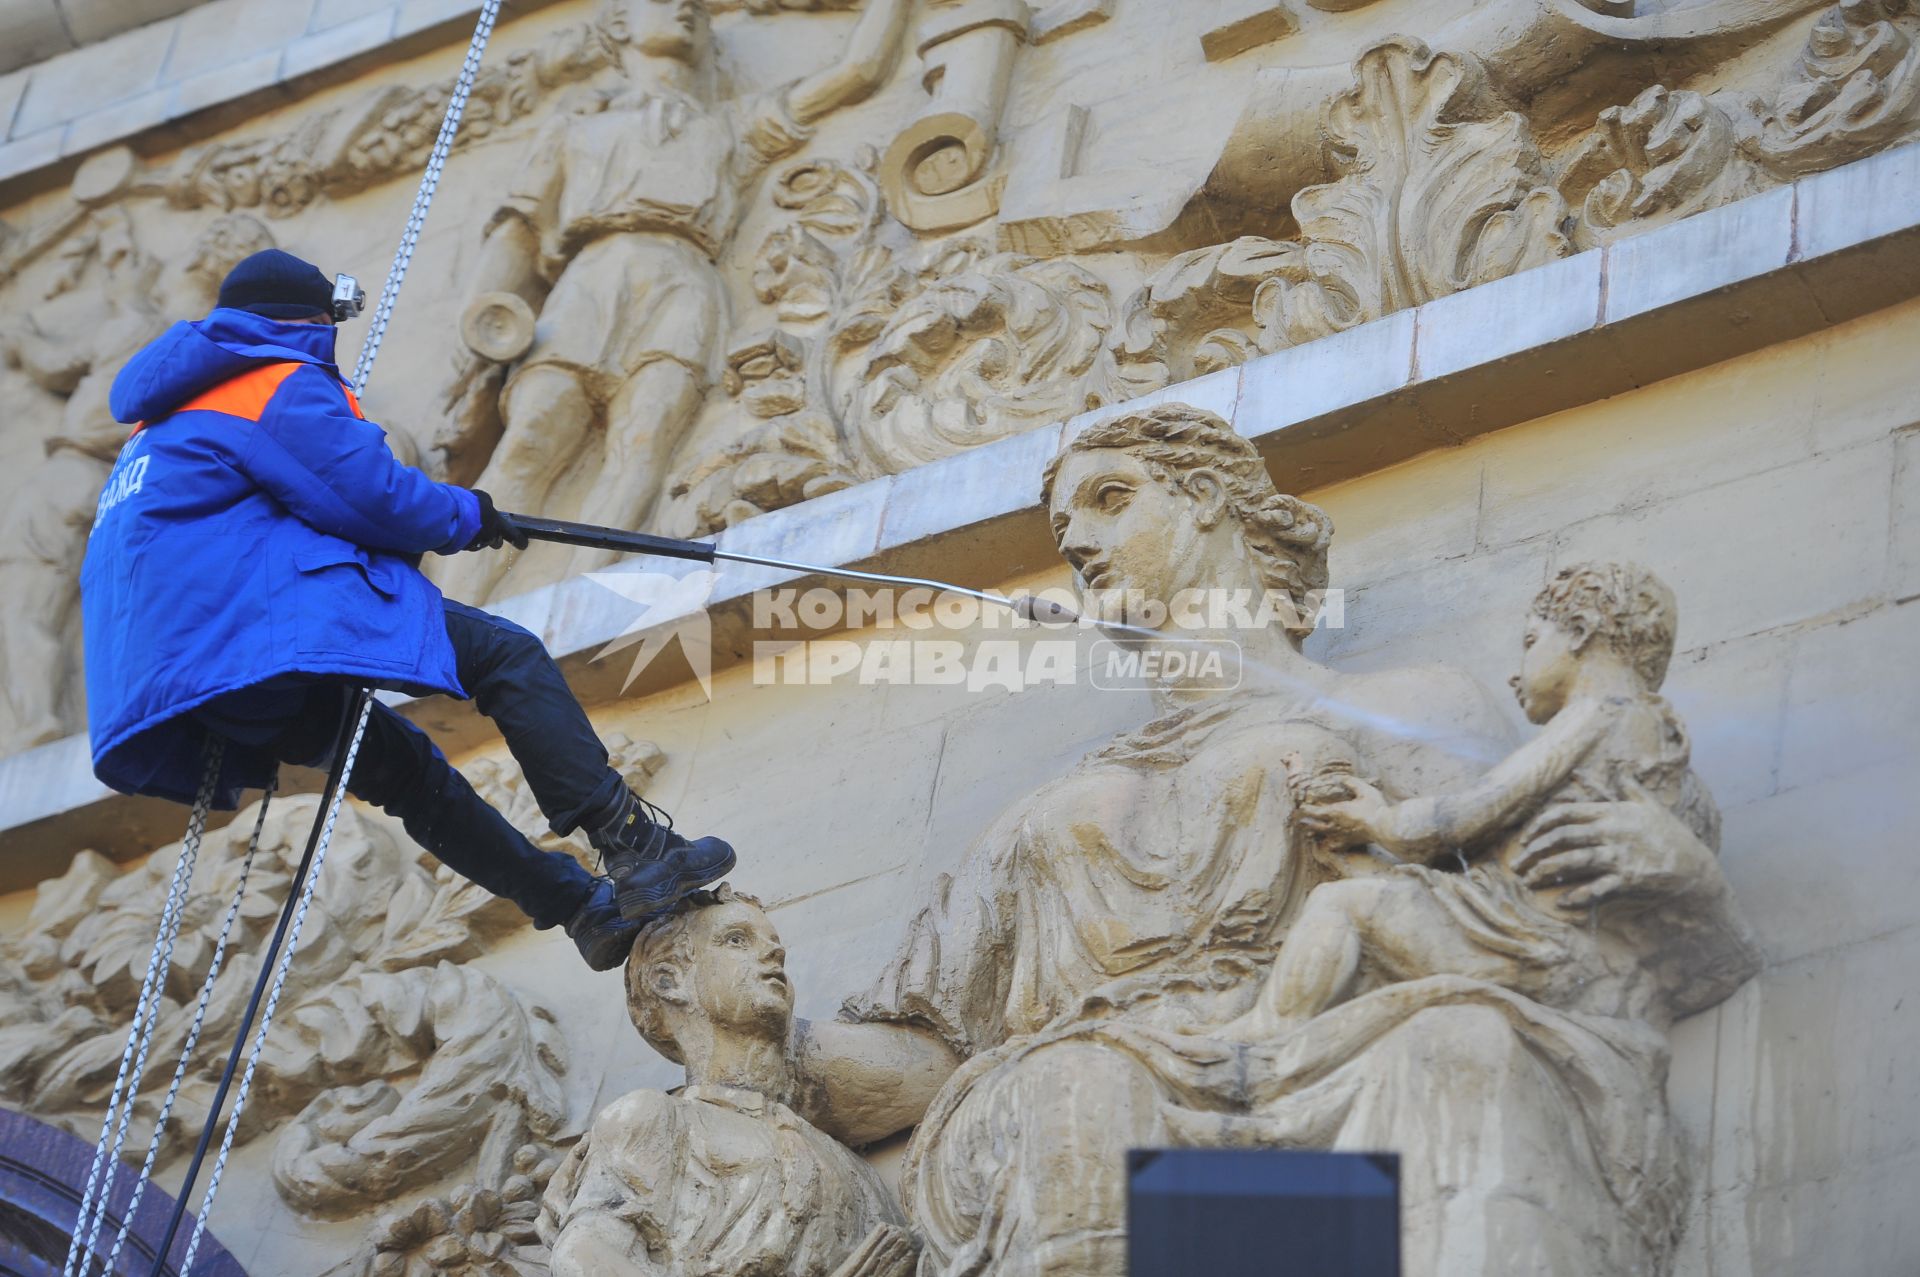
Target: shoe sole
(636,904)
(609,952)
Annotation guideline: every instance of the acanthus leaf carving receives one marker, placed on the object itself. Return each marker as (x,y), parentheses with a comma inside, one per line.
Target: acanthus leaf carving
(1667,154)
(1441,188)
(920,359)
(1855,89)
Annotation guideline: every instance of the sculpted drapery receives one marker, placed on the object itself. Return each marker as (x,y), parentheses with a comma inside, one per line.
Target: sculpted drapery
(1091,955)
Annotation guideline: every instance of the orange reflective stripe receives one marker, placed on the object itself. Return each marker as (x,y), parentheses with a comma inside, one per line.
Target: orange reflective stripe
(353,401)
(244,396)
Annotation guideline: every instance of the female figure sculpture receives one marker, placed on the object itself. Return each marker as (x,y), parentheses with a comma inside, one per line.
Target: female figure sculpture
(1088,956)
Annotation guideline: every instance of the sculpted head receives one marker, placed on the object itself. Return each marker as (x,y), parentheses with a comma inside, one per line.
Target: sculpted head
(680,30)
(1169,499)
(715,970)
(1594,611)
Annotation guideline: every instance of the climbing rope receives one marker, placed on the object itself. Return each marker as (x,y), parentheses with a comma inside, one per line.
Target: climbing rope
(429,184)
(93,1208)
(146,1016)
(318,852)
(193,1030)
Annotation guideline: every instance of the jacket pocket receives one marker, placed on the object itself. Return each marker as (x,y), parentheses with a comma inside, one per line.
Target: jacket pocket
(312,558)
(348,603)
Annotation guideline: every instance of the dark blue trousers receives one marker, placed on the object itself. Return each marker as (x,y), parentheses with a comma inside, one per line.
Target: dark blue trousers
(514,682)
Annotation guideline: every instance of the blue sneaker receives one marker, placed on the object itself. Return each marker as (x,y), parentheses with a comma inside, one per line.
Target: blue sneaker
(652,867)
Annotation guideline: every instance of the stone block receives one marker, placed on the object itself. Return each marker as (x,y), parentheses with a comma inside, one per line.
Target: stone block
(94,20)
(1406,518)
(1679,436)
(1217,392)
(1818,866)
(1327,377)
(842,527)
(1858,1221)
(337,43)
(1740,562)
(982,483)
(31,32)
(417,15)
(25,154)
(119,121)
(1707,288)
(1470,612)
(1904,584)
(227,83)
(809,782)
(1848,705)
(1244,25)
(227,33)
(13,87)
(328,14)
(90,79)
(1859,225)
(45,781)
(1336,407)
(1733,698)
(1509,316)
(1814,1068)
(1697,255)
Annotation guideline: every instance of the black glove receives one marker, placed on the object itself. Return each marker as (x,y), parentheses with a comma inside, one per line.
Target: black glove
(495,528)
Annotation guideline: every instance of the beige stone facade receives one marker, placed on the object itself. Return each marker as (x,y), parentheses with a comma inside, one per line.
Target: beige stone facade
(1493,291)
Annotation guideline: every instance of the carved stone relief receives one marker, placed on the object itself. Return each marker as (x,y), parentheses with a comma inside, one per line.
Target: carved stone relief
(107,299)
(722,1175)
(1854,90)
(921,354)
(392,1062)
(1421,167)
(597,309)
(1098,962)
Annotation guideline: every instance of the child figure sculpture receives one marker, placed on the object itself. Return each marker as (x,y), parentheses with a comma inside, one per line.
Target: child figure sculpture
(1597,645)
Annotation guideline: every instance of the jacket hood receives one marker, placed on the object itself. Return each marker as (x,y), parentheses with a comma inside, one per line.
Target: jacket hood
(192,357)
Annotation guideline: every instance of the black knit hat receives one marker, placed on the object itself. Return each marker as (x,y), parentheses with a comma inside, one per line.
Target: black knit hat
(278,285)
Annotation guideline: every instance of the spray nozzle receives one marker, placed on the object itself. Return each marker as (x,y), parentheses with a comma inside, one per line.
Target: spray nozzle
(1035,607)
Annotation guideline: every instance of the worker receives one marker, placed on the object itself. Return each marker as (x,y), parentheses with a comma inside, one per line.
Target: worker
(254,560)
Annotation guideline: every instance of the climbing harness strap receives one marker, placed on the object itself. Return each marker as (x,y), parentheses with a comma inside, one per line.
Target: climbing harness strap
(277,962)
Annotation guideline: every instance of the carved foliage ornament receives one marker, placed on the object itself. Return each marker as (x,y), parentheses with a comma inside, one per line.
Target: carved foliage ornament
(1441,187)
(919,359)
(391,1062)
(1855,89)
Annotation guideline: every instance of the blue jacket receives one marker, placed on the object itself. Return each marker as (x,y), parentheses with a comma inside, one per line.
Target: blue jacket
(255,527)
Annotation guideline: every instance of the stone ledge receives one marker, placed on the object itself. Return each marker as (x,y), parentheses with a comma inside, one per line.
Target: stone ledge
(1738,279)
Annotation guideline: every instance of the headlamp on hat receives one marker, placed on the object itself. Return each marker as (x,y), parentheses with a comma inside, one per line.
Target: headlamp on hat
(349,299)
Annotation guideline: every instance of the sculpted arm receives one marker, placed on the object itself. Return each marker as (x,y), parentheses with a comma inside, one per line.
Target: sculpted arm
(1436,824)
(1644,865)
(56,366)
(863,67)
(864,1082)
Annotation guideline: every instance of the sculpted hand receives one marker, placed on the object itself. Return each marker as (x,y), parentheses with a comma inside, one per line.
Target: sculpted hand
(1363,816)
(1615,850)
(887,1251)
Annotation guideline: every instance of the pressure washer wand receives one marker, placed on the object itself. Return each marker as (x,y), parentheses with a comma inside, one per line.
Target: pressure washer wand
(1030,606)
